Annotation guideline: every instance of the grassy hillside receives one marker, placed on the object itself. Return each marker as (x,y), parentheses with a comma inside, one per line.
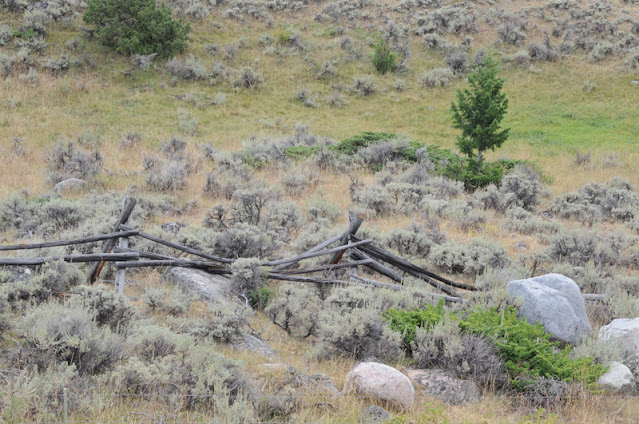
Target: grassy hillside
(193,143)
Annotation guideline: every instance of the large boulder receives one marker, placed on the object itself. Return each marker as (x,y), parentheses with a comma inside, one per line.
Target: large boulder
(624,331)
(442,386)
(619,379)
(69,185)
(209,287)
(379,381)
(556,302)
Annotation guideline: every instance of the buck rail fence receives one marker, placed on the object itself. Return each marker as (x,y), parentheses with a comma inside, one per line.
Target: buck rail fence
(359,253)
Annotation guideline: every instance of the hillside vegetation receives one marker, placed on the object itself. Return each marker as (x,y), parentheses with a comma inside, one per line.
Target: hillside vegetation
(254,142)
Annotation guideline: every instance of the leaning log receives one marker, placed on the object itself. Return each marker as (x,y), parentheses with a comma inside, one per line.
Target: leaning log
(313,249)
(127,209)
(83,240)
(376,266)
(176,246)
(320,253)
(94,257)
(354,223)
(325,268)
(404,264)
(211,267)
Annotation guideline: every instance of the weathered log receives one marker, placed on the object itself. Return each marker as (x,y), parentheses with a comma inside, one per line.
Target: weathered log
(129,204)
(355,221)
(176,246)
(411,271)
(325,268)
(376,266)
(143,254)
(211,267)
(70,242)
(120,273)
(396,260)
(316,248)
(379,284)
(320,253)
(283,277)
(93,257)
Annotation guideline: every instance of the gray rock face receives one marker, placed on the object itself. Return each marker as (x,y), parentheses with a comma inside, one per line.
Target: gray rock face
(619,379)
(69,185)
(555,301)
(373,414)
(211,288)
(379,381)
(256,346)
(625,331)
(440,385)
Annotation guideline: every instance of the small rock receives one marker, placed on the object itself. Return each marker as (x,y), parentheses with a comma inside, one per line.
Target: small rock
(619,379)
(635,82)
(379,381)
(440,385)
(69,185)
(173,227)
(256,346)
(556,302)
(373,414)
(322,383)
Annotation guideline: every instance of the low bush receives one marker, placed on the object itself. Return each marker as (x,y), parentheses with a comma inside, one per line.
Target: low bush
(56,333)
(295,309)
(66,161)
(471,259)
(53,278)
(248,78)
(166,176)
(437,77)
(108,308)
(364,85)
(190,69)
(247,241)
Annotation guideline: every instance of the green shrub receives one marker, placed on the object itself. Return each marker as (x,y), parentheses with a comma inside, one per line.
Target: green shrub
(526,348)
(384,59)
(408,321)
(259,298)
(137,26)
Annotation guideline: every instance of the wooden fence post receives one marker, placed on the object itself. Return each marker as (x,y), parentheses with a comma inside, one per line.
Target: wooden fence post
(123,242)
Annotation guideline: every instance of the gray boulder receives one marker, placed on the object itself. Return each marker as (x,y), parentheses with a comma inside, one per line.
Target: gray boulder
(624,331)
(619,379)
(209,287)
(556,302)
(256,346)
(379,381)
(70,185)
(442,386)
(373,414)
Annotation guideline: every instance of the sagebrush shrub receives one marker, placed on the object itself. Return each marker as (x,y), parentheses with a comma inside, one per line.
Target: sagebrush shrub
(109,308)
(364,85)
(65,161)
(437,77)
(189,69)
(56,333)
(246,275)
(471,259)
(295,309)
(166,176)
(248,78)
(246,241)
(137,26)
(53,278)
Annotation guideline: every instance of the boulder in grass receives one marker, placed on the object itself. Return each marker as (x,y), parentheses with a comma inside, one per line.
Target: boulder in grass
(556,302)
(70,185)
(624,331)
(381,382)
(619,379)
(443,386)
(209,287)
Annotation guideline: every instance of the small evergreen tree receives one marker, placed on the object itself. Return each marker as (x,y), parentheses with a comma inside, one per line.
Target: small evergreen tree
(479,112)
(384,59)
(137,26)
